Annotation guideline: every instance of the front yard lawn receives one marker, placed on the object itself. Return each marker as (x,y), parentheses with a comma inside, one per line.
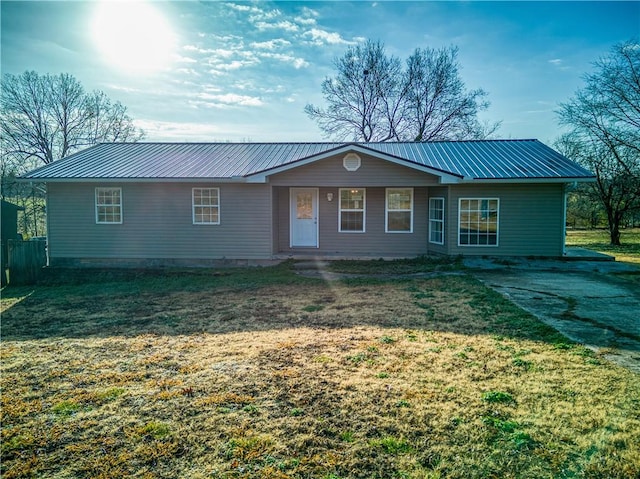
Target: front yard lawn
(263,374)
(599,240)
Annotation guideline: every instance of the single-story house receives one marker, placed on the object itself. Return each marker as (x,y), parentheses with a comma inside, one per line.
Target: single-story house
(186,203)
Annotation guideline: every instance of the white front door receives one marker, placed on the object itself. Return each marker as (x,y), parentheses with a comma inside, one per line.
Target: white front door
(304,217)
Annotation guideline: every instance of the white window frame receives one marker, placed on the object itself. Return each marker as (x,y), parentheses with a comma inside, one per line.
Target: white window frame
(363,210)
(99,205)
(387,211)
(194,206)
(433,221)
(480,199)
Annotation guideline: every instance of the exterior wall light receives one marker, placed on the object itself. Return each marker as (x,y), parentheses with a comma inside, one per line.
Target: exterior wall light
(329,196)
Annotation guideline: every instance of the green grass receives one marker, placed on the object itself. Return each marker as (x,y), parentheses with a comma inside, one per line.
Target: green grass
(422,264)
(599,240)
(240,374)
(498,397)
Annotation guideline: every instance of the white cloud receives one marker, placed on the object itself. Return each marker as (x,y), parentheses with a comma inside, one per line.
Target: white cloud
(193,48)
(223,53)
(243,85)
(309,12)
(321,37)
(183,131)
(234,65)
(207,39)
(255,14)
(228,99)
(113,86)
(285,25)
(244,100)
(187,71)
(248,54)
(243,8)
(265,15)
(300,63)
(211,88)
(271,44)
(305,21)
(295,61)
(276,89)
(182,59)
(559,64)
(223,64)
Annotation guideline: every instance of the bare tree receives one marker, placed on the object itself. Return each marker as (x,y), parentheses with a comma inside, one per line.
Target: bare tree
(364,98)
(437,104)
(50,116)
(44,118)
(617,191)
(372,98)
(604,118)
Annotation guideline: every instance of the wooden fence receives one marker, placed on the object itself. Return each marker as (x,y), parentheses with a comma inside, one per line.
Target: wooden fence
(26,260)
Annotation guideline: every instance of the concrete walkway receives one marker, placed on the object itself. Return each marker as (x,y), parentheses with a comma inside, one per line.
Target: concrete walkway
(583,299)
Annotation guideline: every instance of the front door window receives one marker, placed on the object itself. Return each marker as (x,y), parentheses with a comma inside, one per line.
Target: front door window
(304,206)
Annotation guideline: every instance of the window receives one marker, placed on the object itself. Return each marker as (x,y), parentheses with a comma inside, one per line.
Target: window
(436,220)
(108,205)
(399,214)
(351,162)
(352,204)
(206,206)
(304,205)
(478,222)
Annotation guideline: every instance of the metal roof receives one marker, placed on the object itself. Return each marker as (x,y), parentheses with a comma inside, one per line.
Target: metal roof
(481,160)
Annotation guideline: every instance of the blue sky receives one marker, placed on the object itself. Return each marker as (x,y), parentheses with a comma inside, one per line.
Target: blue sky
(243,71)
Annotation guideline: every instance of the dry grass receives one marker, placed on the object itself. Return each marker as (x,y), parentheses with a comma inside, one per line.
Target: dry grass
(249,375)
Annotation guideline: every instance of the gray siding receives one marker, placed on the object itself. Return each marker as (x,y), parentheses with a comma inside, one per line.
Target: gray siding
(157,217)
(374,175)
(157,223)
(372,172)
(530,219)
(374,242)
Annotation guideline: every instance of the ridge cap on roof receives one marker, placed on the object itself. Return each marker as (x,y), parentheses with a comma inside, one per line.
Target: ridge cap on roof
(342,143)
(486,140)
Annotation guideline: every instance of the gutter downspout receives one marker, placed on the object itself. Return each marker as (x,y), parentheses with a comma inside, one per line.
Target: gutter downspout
(565,192)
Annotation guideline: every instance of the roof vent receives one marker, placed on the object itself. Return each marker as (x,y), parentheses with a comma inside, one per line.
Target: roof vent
(351,162)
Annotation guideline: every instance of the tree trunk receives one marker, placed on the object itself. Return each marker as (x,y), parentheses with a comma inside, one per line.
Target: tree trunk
(614,232)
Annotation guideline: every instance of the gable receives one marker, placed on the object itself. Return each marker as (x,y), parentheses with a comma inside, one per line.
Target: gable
(372,171)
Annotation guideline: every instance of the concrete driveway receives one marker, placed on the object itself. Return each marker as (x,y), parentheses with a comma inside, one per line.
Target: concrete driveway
(584,300)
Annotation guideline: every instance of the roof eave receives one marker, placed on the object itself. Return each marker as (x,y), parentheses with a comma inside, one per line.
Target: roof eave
(234,179)
(564,179)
